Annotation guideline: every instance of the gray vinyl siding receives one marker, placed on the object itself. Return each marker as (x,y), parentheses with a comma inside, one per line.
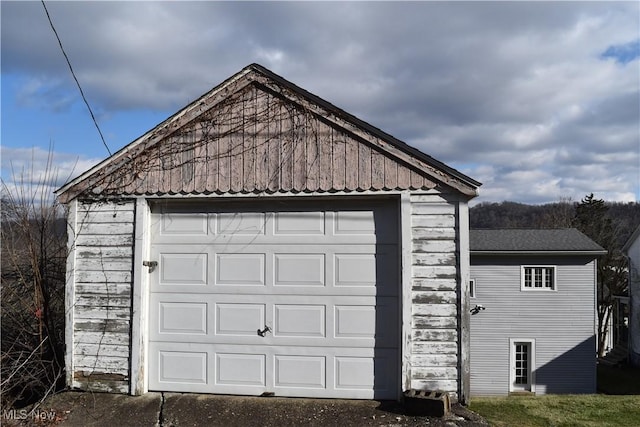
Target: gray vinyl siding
(561,322)
(102,278)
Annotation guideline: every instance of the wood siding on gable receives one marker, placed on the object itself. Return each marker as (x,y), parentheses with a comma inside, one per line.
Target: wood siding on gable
(434,295)
(256,142)
(561,322)
(102,297)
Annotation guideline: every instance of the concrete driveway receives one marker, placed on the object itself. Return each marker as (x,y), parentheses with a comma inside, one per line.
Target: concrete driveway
(84,409)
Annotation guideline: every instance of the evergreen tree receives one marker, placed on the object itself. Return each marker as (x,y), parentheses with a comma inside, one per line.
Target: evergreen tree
(592,218)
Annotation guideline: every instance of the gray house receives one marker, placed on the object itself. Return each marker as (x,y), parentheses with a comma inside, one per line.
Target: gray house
(262,240)
(533,296)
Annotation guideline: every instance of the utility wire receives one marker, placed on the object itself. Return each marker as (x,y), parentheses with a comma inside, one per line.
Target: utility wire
(93,117)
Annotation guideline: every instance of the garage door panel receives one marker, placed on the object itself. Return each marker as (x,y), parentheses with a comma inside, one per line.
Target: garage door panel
(353,372)
(246,269)
(263,291)
(183,367)
(360,269)
(299,320)
(355,321)
(185,224)
(300,371)
(355,222)
(239,319)
(370,267)
(270,239)
(355,269)
(321,283)
(183,268)
(375,322)
(240,369)
(183,318)
(202,317)
(295,370)
(299,223)
(239,223)
(295,269)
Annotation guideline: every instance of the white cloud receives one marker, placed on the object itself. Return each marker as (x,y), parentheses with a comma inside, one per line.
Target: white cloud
(38,172)
(520,89)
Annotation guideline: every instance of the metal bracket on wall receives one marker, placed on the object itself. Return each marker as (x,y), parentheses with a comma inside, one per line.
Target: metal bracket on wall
(151,264)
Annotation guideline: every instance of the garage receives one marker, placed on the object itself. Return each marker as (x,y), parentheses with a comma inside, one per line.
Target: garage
(262,241)
(297,299)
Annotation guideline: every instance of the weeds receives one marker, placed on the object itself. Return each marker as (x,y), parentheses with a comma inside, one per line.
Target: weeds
(33,278)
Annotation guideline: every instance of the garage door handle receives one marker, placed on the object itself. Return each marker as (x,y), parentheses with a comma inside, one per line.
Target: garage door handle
(264,331)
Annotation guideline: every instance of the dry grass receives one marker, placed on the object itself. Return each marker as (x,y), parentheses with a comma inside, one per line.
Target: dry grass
(617,406)
(591,410)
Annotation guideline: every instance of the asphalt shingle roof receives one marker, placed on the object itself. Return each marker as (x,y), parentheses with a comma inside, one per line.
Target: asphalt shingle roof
(531,240)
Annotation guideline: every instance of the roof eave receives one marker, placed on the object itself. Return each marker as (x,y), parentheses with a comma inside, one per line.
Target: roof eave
(539,253)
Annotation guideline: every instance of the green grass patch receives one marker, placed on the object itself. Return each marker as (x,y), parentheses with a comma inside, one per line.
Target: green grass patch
(585,410)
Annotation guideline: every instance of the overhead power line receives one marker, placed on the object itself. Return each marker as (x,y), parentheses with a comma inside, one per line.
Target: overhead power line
(84,98)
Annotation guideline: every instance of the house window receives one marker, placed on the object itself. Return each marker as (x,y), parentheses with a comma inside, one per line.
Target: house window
(538,277)
(472,288)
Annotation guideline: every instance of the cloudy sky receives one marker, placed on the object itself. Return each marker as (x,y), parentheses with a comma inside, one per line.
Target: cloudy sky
(539,101)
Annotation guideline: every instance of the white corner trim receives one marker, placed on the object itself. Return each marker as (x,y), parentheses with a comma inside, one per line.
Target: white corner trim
(465,316)
(70,292)
(405,291)
(140,300)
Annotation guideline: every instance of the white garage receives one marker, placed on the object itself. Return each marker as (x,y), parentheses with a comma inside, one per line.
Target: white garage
(262,240)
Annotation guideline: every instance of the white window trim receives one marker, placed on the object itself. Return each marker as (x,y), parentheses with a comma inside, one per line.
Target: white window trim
(512,362)
(543,289)
(472,288)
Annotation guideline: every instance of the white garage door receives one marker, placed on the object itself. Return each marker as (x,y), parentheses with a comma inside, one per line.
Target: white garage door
(295,299)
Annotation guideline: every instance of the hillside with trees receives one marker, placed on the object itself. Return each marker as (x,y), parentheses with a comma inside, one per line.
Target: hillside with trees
(625,217)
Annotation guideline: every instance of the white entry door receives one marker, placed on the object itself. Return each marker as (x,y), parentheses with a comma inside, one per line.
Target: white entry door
(522,365)
(290,298)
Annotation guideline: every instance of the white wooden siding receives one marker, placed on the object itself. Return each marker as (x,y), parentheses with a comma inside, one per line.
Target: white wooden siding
(434,294)
(101,297)
(561,323)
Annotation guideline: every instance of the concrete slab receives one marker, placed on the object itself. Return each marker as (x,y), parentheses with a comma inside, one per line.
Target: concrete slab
(218,410)
(86,409)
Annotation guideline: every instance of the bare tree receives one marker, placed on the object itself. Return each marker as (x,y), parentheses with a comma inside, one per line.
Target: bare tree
(592,219)
(33,278)
(559,214)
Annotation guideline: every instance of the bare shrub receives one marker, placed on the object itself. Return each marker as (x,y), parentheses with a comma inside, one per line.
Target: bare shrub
(33,278)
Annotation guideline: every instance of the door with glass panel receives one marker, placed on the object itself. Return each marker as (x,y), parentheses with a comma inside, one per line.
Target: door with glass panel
(522,357)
